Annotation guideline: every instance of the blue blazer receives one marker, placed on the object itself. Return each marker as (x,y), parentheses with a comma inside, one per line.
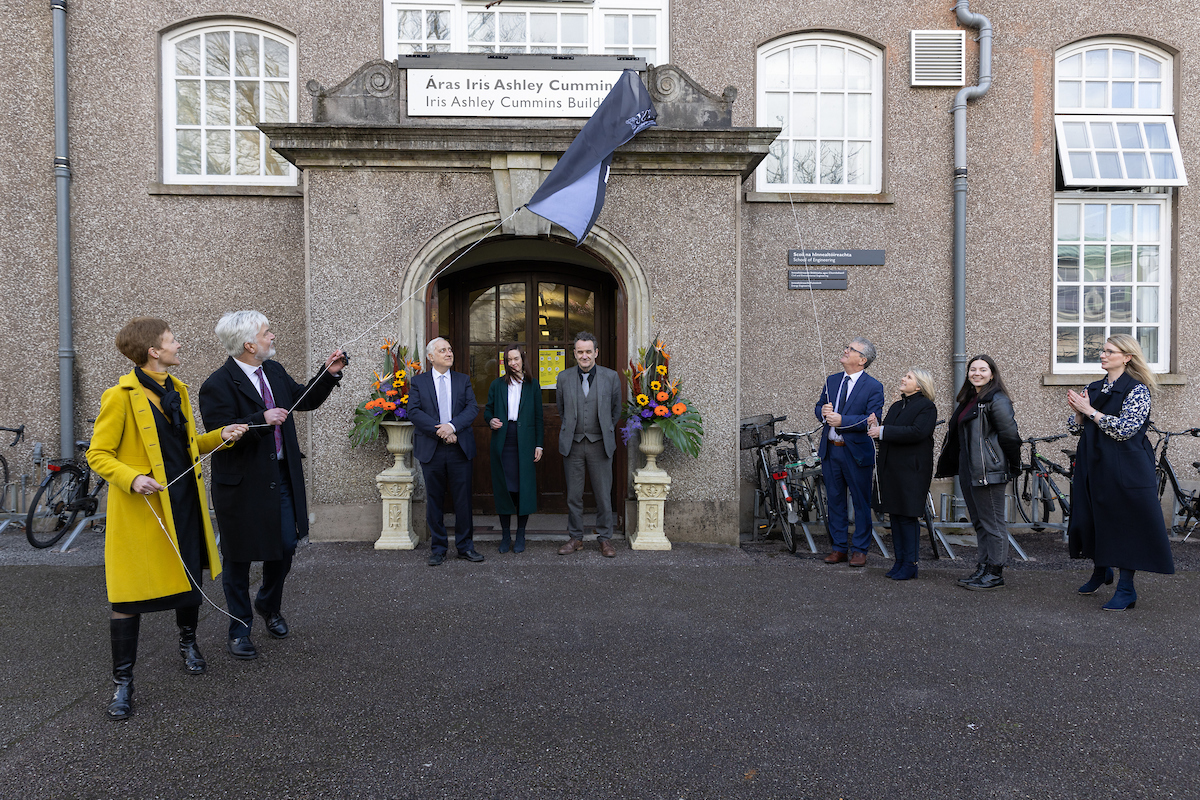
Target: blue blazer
(866,399)
(424,413)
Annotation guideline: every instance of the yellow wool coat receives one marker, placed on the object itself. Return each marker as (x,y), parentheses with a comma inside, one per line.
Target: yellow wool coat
(139,562)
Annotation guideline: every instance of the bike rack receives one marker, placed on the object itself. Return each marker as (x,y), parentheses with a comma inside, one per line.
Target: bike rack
(86,521)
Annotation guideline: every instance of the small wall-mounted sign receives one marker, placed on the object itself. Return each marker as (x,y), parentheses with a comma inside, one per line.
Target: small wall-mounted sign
(817,279)
(835,258)
(507,93)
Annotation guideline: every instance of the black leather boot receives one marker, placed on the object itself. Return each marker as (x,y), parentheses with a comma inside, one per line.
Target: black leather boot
(124,635)
(980,569)
(193,659)
(992,579)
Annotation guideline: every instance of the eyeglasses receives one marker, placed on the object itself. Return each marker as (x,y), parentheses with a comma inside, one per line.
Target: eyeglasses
(1110,351)
(849,349)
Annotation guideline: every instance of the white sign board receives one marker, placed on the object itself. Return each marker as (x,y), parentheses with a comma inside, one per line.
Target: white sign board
(506,92)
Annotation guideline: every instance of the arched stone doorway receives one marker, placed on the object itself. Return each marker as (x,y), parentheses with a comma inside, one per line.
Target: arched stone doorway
(540,292)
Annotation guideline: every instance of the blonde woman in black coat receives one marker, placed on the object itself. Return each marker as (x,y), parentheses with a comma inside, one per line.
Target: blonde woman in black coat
(905,466)
(1116,519)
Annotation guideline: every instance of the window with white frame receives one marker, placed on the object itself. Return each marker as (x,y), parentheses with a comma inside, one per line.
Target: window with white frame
(1111,276)
(1117,151)
(220,79)
(1113,116)
(826,93)
(603,27)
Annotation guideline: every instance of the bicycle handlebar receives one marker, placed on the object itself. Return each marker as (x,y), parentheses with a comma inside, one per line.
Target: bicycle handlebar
(20,434)
(1053,438)
(1187,431)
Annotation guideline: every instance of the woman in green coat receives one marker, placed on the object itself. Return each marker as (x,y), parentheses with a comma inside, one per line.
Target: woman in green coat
(514,413)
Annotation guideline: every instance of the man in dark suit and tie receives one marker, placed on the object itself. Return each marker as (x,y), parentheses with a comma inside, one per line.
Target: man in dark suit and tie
(442,407)
(847,403)
(258,484)
(589,404)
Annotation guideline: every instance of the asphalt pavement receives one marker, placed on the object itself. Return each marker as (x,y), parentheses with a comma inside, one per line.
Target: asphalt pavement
(703,672)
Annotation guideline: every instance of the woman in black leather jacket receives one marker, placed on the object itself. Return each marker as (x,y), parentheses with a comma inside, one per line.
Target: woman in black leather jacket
(983,448)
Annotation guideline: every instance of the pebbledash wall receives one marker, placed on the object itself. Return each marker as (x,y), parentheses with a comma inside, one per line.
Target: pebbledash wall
(697,238)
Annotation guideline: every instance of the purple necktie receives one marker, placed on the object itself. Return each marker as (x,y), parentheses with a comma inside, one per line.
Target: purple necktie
(269,399)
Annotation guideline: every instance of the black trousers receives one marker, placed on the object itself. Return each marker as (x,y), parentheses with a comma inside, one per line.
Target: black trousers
(449,468)
(235,575)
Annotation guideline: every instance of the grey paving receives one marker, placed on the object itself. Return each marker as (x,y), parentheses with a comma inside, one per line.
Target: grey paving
(704,672)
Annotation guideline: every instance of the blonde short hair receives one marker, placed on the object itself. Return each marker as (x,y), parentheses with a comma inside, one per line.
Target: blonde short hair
(924,380)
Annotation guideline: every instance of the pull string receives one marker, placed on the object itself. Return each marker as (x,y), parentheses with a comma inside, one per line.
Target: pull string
(378,322)
(186,571)
(811,294)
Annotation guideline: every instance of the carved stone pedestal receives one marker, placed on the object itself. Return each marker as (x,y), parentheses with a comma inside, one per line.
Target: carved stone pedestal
(652,485)
(396,489)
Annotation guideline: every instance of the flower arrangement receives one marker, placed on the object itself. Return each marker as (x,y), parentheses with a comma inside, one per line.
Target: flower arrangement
(389,394)
(656,400)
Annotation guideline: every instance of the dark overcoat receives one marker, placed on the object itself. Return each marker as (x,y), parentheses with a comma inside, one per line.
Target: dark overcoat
(245,477)
(905,462)
(529,437)
(1116,519)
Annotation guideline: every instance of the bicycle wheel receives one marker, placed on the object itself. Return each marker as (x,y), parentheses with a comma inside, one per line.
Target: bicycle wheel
(1022,492)
(765,495)
(820,507)
(786,509)
(4,485)
(50,513)
(1045,504)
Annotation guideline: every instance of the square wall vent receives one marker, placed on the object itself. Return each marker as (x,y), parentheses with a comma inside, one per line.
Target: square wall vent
(939,58)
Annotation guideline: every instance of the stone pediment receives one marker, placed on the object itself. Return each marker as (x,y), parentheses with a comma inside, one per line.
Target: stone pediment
(376,94)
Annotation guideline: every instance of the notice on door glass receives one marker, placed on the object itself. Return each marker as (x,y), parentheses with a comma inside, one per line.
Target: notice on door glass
(550,363)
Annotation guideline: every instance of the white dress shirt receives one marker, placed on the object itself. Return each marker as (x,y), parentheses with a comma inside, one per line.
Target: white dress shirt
(514,399)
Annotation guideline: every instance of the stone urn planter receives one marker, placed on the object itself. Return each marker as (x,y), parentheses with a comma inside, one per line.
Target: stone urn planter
(396,490)
(651,484)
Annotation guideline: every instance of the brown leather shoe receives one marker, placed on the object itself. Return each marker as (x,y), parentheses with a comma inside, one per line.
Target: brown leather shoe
(858,559)
(836,557)
(570,547)
(606,549)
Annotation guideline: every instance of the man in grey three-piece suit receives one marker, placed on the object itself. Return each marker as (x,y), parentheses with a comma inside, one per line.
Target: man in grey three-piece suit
(589,403)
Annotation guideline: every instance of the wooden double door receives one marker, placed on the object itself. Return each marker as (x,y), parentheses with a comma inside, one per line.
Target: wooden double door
(541,306)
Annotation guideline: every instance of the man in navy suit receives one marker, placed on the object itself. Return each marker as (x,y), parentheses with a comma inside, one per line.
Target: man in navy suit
(847,452)
(442,407)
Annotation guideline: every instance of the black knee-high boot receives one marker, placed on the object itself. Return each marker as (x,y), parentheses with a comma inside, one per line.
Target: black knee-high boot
(519,547)
(193,659)
(505,532)
(124,635)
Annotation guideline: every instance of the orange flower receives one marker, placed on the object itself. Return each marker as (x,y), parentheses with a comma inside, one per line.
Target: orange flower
(660,411)
(391,393)
(662,397)
(388,406)
(678,408)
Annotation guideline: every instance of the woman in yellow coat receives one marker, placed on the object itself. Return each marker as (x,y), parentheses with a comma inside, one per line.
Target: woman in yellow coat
(145,437)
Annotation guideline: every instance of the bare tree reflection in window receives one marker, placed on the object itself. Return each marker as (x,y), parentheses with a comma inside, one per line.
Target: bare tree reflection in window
(246,50)
(832,162)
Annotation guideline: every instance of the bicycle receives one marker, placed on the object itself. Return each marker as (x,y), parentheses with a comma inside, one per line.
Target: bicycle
(64,494)
(1185,504)
(771,492)
(804,502)
(1035,490)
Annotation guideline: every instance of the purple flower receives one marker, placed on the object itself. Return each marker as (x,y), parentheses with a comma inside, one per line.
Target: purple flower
(646,414)
(401,413)
(632,426)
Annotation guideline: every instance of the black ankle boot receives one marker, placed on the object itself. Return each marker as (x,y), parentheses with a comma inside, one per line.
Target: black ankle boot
(505,541)
(124,636)
(519,545)
(980,569)
(193,659)
(993,578)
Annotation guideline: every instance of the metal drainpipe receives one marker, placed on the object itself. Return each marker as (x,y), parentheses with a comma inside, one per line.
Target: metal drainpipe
(62,184)
(969,19)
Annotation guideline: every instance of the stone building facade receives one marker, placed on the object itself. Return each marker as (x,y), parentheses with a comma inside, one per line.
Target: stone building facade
(265,155)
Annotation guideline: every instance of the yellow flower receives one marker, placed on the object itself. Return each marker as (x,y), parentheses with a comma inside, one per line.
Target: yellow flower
(404,399)
(662,370)
(655,385)
(643,400)
(400,375)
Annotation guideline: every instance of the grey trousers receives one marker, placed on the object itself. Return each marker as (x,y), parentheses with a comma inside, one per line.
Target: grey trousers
(985,504)
(599,466)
